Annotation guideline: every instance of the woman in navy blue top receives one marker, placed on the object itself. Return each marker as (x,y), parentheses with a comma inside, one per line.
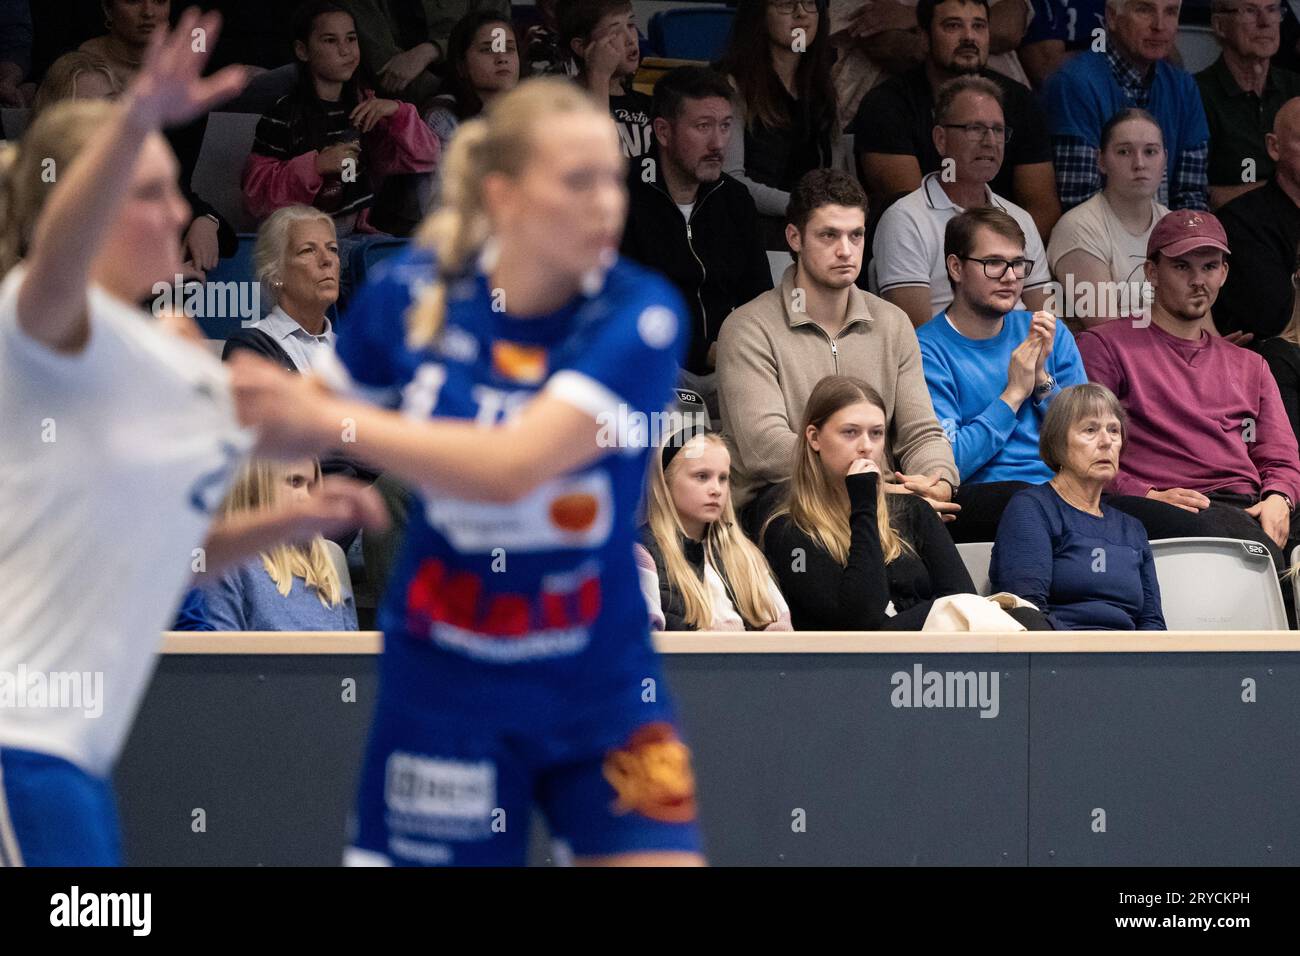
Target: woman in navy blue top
(1085,566)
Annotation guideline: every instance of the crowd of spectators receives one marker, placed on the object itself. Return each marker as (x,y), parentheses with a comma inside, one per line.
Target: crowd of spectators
(1005,311)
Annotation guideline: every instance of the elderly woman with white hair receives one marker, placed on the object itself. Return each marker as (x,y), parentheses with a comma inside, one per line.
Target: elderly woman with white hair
(296,260)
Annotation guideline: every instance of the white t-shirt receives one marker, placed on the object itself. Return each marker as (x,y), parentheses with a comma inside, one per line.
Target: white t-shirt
(113,459)
(908,247)
(686,209)
(1093,227)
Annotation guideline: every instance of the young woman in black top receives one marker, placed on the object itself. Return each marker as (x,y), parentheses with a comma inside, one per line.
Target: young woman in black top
(848,555)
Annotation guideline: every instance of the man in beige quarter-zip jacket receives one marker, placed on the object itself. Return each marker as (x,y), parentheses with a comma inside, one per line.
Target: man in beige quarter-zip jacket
(775,348)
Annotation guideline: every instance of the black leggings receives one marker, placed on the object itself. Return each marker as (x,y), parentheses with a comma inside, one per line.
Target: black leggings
(981,509)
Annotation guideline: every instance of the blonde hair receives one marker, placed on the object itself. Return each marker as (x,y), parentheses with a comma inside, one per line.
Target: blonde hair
(60,81)
(30,170)
(819,505)
(273,242)
(497,141)
(256,488)
(748,574)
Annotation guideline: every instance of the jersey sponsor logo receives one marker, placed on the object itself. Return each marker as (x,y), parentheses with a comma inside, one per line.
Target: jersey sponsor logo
(570,512)
(439,798)
(525,364)
(651,774)
(422,785)
(454,609)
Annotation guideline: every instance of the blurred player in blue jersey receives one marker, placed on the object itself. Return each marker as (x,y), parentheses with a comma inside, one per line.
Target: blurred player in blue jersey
(524,357)
(118,439)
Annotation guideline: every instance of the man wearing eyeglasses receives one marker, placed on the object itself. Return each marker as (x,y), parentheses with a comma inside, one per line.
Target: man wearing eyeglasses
(1242,93)
(892,131)
(993,369)
(1130,70)
(970,134)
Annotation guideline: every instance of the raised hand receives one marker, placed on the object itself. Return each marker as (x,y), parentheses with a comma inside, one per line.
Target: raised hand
(170,88)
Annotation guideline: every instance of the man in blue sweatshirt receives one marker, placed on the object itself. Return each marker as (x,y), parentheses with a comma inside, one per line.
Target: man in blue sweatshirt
(993,370)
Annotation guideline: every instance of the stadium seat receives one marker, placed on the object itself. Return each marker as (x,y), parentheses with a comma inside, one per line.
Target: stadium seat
(778,261)
(238,268)
(977,555)
(340,561)
(366,255)
(226,145)
(691,33)
(1218,584)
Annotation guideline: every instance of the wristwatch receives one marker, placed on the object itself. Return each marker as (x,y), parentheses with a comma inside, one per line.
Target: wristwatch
(1045,388)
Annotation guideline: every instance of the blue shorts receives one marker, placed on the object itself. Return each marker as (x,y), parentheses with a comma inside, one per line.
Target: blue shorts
(440,788)
(53,813)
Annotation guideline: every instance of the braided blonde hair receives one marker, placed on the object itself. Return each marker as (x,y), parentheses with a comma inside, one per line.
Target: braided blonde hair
(498,141)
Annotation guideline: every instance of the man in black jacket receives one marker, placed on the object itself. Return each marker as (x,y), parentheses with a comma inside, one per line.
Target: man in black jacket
(691,221)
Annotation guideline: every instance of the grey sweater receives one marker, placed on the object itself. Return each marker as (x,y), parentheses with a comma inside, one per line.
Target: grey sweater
(769,359)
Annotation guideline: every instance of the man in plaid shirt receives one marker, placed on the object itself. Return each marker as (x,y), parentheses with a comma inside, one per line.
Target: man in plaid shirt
(1129,70)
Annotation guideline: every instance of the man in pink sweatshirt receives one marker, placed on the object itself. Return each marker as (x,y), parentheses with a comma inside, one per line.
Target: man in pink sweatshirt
(1210,451)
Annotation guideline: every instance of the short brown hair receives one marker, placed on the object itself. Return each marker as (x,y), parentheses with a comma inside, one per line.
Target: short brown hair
(947,94)
(1067,409)
(959,235)
(822,187)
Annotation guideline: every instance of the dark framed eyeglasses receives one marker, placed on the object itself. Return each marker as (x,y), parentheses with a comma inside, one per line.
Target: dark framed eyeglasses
(995,268)
(975,132)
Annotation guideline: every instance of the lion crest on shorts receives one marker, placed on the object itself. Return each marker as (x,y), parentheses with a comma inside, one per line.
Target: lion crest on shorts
(652,775)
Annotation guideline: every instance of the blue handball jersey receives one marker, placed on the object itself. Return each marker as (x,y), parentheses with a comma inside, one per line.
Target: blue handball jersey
(529,608)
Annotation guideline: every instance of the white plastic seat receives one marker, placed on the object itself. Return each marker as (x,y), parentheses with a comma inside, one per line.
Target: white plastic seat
(1218,584)
(977,556)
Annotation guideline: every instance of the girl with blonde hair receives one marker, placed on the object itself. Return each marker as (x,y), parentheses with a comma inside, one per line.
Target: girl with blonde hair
(848,555)
(698,570)
(292,586)
(521,351)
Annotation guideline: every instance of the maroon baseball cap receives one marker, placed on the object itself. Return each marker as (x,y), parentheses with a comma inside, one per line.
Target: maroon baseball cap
(1178,233)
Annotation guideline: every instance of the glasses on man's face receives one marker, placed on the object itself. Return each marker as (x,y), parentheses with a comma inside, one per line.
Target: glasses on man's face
(995,268)
(1250,11)
(786,7)
(975,132)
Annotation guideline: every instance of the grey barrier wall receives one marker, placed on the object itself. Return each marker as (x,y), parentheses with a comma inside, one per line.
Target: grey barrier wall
(801,758)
